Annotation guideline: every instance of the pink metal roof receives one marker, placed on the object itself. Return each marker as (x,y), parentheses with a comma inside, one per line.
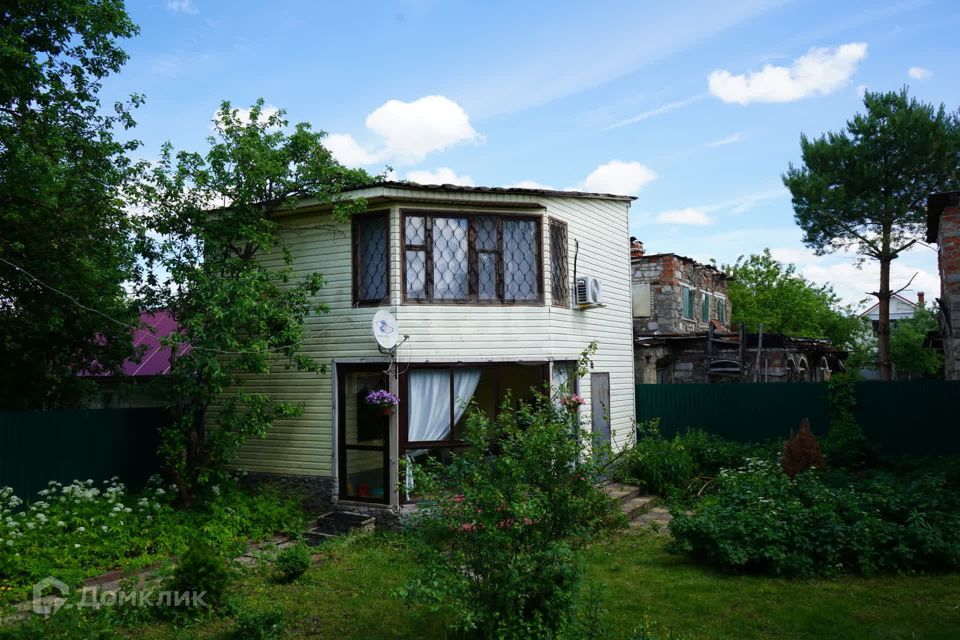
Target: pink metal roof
(156,358)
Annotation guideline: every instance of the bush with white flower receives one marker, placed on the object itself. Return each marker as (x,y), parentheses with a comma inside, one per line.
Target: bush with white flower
(81,529)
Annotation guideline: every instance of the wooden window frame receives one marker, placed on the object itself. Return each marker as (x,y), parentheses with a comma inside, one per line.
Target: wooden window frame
(564,302)
(355,258)
(473,296)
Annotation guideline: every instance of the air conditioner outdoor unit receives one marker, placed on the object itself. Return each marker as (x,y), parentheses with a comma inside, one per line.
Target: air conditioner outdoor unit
(589,291)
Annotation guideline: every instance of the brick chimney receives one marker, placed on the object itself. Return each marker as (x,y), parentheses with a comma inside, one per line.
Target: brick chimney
(920,299)
(636,248)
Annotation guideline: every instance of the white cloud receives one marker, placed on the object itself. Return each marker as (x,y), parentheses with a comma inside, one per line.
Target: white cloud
(658,111)
(619,177)
(529,184)
(348,151)
(853,283)
(737,137)
(443,175)
(409,131)
(690,215)
(818,72)
(182,6)
(861,90)
(919,73)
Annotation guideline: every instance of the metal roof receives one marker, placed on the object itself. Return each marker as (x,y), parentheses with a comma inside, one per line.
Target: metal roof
(154,326)
(455,188)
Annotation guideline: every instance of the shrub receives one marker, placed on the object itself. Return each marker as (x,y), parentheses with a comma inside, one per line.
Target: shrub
(259,625)
(72,531)
(686,462)
(760,520)
(501,535)
(203,572)
(845,445)
(293,562)
(801,452)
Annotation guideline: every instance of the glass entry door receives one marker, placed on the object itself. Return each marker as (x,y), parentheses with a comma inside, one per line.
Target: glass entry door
(363,435)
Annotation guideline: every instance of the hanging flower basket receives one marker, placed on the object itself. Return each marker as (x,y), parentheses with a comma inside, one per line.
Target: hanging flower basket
(386,401)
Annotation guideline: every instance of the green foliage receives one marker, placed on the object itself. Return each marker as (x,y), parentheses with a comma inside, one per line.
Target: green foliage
(293,562)
(74,531)
(61,218)
(766,291)
(865,187)
(910,358)
(684,464)
(501,535)
(69,623)
(760,520)
(845,445)
(201,571)
(214,257)
(259,625)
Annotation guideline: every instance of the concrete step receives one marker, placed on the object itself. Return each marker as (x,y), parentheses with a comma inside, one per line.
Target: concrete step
(337,523)
(638,505)
(621,492)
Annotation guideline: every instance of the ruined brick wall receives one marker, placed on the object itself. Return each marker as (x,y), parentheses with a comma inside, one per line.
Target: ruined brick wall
(948,241)
(667,275)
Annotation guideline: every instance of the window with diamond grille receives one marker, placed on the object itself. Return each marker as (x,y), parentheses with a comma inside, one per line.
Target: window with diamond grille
(478,259)
(559,278)
(371,259)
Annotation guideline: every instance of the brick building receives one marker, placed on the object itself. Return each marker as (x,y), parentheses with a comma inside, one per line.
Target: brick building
(943,227)
(683,332)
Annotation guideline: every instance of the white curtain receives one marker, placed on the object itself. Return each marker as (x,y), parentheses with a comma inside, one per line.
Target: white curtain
(429,407)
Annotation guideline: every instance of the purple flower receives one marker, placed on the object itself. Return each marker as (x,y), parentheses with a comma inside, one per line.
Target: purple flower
(382,398)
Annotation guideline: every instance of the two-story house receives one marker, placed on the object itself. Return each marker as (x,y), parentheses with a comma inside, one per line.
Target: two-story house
(482,284)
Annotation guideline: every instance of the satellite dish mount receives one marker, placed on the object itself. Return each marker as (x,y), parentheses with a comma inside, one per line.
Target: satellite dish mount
(387,334)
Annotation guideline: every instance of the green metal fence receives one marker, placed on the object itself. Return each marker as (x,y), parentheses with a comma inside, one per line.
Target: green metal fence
(908,417)
(39,446)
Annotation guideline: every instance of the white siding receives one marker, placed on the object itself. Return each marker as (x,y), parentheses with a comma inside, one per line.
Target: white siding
(452,333)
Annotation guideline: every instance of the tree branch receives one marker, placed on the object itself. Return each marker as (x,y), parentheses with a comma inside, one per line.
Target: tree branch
(893,293)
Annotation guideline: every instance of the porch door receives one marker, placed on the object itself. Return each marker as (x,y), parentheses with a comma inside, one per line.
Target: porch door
(363,435)
(600,408)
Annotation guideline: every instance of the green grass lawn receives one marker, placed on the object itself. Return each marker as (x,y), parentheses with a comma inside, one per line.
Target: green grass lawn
(348,595)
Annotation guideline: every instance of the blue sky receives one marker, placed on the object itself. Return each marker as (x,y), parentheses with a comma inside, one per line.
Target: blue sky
(694,107)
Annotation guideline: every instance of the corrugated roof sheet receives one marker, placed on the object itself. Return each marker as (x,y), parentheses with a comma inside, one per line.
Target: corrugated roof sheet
(156,358)
(456,188)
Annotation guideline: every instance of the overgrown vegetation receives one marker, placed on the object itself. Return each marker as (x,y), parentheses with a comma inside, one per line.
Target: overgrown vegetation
(760,520)
(293,562)
(846,445)
(500,540)
(684,465)
(78,530)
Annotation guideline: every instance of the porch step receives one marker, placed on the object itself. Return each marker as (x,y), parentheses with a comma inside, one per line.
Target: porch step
(642,510)
(338,523)
(620,491)
(637,506)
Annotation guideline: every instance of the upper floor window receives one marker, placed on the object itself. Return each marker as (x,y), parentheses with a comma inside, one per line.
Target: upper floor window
(559,280)
(486,259)
(721,311)
(371,258)
(687,300)
(705,307)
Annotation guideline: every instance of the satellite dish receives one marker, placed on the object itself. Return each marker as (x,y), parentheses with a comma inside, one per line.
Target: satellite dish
(385,330)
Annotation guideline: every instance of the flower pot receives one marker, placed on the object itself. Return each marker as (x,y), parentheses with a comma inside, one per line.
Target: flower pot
(387,411)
